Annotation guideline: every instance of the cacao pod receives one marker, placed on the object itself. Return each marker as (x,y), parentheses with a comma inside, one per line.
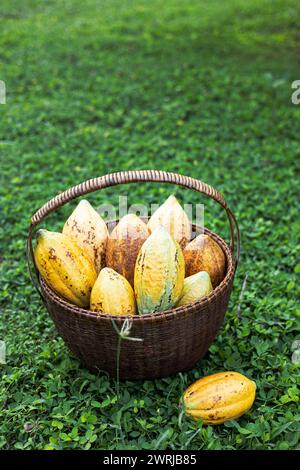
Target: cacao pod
(112,294)
(194,288)
(159,273)
(123,245)
(89,230)
(219,397)
(172,216)
(64,266)
(204,254)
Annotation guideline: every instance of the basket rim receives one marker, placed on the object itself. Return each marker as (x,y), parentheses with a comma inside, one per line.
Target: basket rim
(165,315)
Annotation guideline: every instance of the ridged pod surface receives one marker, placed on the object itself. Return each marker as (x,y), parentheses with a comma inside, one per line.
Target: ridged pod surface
(123,245)
(219,397)
(159,273)
(204,254)
(194,288)
(64,266)
(112,294)
(90,232)
(172,216)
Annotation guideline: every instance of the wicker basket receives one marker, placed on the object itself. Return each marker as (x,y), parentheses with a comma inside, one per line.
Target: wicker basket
(168,342)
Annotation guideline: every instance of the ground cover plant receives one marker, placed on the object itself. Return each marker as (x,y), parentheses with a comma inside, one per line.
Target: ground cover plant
(200,88)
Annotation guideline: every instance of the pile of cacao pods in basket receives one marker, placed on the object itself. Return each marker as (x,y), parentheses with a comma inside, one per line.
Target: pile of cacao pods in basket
(137,268)
(142,268)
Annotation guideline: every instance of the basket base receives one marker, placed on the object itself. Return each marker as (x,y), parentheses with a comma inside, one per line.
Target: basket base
(148,374)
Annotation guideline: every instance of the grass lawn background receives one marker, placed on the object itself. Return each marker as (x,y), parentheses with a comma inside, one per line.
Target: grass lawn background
(200,88)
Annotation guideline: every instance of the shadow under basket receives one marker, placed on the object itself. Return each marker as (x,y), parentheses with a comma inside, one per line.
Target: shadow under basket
(158,344)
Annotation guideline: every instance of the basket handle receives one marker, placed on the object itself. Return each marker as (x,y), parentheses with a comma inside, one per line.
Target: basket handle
(124,177)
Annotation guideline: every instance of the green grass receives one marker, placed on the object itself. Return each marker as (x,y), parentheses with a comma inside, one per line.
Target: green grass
(200,88)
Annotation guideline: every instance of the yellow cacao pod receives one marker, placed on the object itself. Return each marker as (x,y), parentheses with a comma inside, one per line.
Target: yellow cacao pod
(123,245)
(159,273)
(195,287)
(172,216)
(219,397)
(112,294)
(64,266)
(89,230)
(204,254)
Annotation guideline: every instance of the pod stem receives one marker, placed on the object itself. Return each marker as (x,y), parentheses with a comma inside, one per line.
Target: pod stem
(122,334)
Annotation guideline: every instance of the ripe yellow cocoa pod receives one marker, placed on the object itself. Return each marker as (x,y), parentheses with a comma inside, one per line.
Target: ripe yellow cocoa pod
(219,397)
(89,230)
(159,273)
(194,288)
(172,216)
(204,254)
(64,267)
(112,294)
(123,245)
